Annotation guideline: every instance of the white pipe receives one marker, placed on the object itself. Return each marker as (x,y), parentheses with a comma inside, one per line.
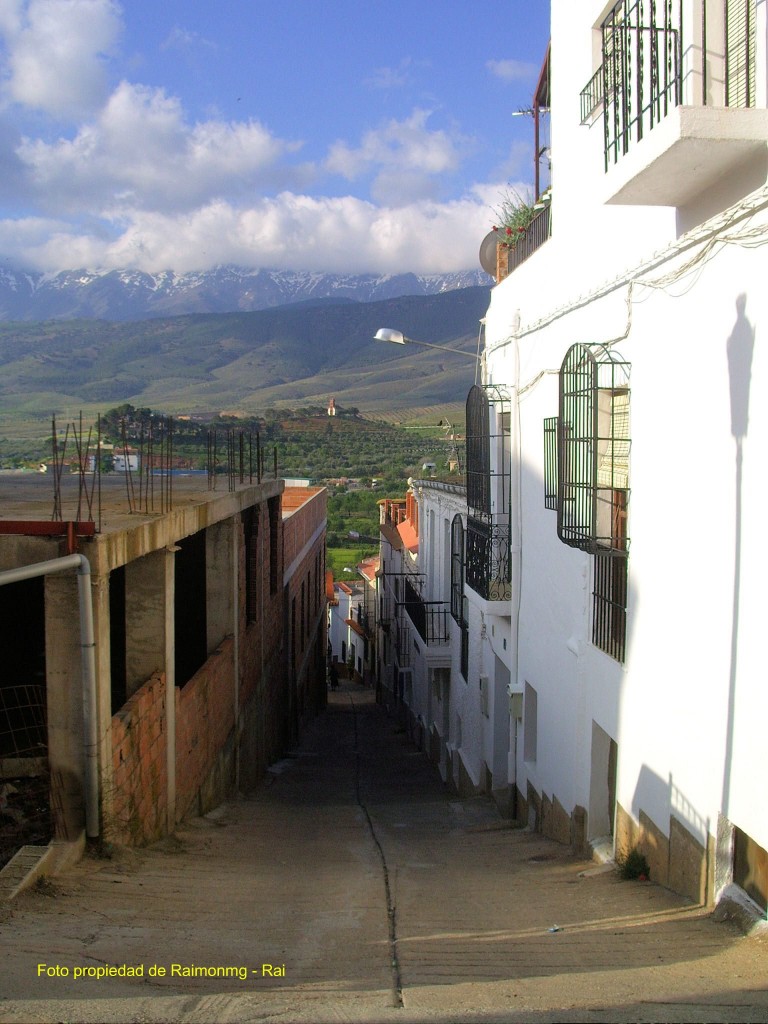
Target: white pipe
(88,662)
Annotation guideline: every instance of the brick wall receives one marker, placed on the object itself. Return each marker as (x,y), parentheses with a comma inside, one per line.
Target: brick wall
(140,775)
(274,696)
(306,621)
(304,512)
(204,719)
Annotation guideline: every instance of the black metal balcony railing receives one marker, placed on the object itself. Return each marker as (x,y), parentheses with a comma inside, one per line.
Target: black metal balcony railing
(487,559)
(642,70)
(536,234)
(429,618)
(640,79)
(364,619)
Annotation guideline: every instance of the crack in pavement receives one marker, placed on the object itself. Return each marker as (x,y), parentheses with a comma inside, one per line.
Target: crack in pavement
(397,984)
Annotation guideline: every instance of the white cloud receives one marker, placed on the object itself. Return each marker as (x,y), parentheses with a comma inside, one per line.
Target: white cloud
(56,53)
(288,231)
(133,183)
(393,77)
(139,153)
(187,42)
(404,159)
(511,70)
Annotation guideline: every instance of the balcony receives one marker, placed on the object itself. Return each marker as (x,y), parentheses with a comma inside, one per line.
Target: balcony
(364,620)
(677,99)
(429,618)
(487,559)
(509,258)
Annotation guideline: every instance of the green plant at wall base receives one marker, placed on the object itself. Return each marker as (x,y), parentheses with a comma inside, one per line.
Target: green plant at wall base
(513,217)
(635,865)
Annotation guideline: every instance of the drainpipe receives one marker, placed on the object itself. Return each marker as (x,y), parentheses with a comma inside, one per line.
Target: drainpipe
(88,661)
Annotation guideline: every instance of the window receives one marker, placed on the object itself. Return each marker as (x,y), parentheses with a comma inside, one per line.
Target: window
(593,456)
(486,552)
(478,451)
(190,611)
(550,462)
(609,604)
(459,604)
(252,574)
(457,567)
(641,71)
(593,480)
(740,25)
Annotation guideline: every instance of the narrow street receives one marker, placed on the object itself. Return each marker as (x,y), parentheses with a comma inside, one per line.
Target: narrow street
(352,887)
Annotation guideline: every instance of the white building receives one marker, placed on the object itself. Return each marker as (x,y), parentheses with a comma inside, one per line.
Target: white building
(352,620)
(612,560)
(626,345)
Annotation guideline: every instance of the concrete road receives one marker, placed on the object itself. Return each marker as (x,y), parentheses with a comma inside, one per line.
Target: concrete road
(353,887)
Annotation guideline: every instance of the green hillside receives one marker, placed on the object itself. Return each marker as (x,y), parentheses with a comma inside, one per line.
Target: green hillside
(245,362)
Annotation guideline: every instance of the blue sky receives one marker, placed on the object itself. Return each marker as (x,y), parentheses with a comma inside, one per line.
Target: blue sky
(331,136)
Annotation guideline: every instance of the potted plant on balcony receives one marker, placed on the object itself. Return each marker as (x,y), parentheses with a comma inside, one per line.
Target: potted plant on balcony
(513,215)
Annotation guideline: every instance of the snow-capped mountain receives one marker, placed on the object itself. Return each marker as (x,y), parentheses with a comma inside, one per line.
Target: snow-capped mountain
(133,295)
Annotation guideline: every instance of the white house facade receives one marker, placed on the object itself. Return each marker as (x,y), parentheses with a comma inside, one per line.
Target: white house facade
(614,567)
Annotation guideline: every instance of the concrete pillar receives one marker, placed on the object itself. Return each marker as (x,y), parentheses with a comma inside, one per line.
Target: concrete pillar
(101,629)
(169,626)
(65,703)
(145,601)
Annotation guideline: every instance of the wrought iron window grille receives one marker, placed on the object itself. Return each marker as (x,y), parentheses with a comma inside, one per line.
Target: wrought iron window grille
(609,604)
(593,448)
(487,561)
(457,568)
(550,462)
(592,469)
(640,77)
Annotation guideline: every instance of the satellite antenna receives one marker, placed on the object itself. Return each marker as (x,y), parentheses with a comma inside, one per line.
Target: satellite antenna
(488,253)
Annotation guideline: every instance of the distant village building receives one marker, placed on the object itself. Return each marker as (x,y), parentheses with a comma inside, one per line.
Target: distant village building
(331,406)
(125,460)
(352,621)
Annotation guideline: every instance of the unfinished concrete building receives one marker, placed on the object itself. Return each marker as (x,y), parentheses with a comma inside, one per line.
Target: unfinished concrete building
(207,651)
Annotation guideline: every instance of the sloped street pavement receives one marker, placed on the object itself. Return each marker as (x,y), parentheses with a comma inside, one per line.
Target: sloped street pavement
(353,887)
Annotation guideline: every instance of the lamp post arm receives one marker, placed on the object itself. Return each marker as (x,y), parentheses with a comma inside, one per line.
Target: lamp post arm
(397,338)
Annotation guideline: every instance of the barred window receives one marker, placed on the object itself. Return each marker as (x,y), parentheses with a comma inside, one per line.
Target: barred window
(740,64)
(550,462)
(594,445)
(593,480)
(478,450)
(457,568)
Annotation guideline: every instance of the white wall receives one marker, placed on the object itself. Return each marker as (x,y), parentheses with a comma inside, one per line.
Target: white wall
(687,708)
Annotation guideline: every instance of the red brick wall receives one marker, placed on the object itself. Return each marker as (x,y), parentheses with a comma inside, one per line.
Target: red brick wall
(306,619)
(273,695)
(304,511)
(139,798)
(204,719)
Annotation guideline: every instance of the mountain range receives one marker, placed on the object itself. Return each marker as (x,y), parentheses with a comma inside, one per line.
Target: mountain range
(132,295)
(290,355)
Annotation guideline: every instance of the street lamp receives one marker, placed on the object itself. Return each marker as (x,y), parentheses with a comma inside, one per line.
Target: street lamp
(398,338)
